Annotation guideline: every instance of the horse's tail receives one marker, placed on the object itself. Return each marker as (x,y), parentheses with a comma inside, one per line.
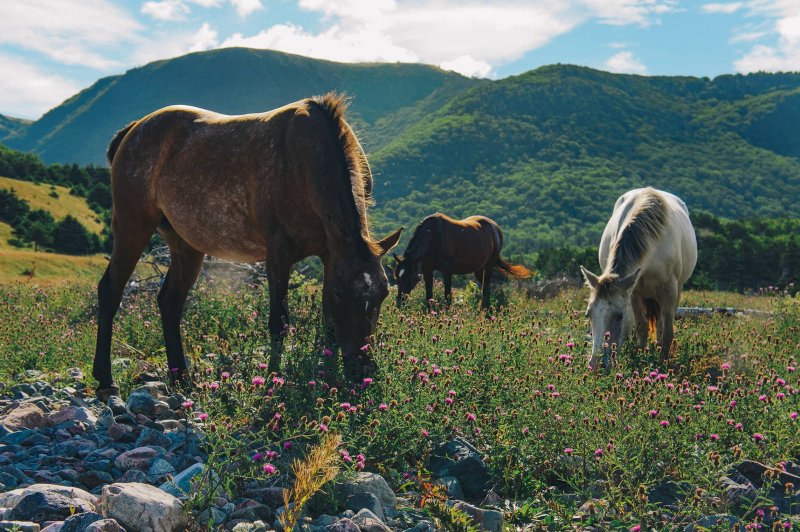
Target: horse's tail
(652,311)
(513,270)
(115,142)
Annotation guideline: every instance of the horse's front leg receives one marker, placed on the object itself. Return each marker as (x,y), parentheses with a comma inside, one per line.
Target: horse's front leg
(427,275)
(669,304)
(278,279)
(640,321)
(448,286)
(486,287)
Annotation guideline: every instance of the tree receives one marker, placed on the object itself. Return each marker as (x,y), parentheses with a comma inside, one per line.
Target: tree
(70,237)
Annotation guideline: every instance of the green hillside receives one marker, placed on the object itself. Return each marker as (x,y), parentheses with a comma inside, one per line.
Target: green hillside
(232,80)
(548,152)
(11,126)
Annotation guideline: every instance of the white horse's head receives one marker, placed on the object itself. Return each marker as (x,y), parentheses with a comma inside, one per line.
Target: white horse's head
(610,312)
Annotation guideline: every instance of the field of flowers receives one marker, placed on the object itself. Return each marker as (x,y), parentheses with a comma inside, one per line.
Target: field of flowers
(565,447)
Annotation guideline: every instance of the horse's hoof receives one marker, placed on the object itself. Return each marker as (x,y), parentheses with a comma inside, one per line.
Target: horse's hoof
(103,394)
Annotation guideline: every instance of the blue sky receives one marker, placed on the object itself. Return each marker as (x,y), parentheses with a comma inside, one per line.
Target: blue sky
(50,49)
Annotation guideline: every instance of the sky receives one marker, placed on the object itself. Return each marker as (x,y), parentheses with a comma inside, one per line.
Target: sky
(51,49)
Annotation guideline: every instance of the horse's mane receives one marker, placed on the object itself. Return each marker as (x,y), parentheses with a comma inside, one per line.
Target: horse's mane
(335,106)
(421,239)
(644,225)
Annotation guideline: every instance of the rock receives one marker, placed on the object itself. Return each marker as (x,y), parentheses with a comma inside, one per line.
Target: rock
(181,484)
(104,525)
(78,496)
(342,525)
(422,526)
(739,491)
(47,506)
(255,526)
(120,432)
(489,520)
(271,496)
(369,522)
(79,522)
(117,405)
(16,438)
(142,508)
(140,458)
(716,522)
(73,413)
(93,478)
(133,475)
(152,437)
(369,483)
(473,476)
(367,501)
(159,470)
(141,403)
(669,493)
(54,526)
(25,416)
(452,486)
(18,526)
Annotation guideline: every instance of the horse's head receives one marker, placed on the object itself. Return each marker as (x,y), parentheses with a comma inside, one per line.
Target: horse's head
(406,275)
(352,294)
(609,311)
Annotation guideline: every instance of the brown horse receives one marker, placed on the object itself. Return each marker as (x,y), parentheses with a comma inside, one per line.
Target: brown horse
(471,245)
(276,186)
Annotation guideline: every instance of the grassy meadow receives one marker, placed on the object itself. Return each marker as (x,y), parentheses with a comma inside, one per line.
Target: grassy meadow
(513,382)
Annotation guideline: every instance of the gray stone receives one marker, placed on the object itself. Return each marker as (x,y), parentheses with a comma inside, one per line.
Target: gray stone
(160,469)
(153,437)
(369,522)
(710,521)
(255,526)
(139,458)
(141,403)
(369,483)
(366,500)
(342,525)
(10,499)
(16,438)
(117,405)
(452,486)
(739,491)
(25,416)
(47,506)
(143,508)
(181,484)
(93,478)
(79,522)
(473,476)
(104,525)
(488,520)
(422,526)
(669,493)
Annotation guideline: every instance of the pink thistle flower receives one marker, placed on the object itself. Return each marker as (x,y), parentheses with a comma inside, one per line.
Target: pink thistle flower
(187,404)
(525,430)
(555,394)
(214,386)
(424,433)
(258,380)
(598,453)
(202,416)
(270,469)
(738,426)
(793,415)
(451,393)
(762,397)
(383,407)
(278,381)
(653,413)
(364,348)
(568,450)
(664,423)
(257,457)
(570,345)
(448,351)
(635,528)
(780,396)
(712,388)
(323,427)
(327,352)
(470,416)
(225,375)
(757,436)
(448,401)
(344,406)
(287,446)
(262,366)
(790,369)
(714,437)
(311,384)
(725,366)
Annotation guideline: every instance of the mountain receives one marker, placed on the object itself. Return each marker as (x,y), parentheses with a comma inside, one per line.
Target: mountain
(233,81)
(546,153)
(11,126)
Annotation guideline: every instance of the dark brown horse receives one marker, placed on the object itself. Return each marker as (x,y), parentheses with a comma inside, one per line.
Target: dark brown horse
(276,186)
(471,245)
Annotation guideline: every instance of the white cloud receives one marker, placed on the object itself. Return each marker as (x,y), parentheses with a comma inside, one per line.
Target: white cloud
(27,92)
(726,8)
(166,10)
(784,55)
(468,66)
(205,3)
(748,36)
(69,32)
(624,12)
(204,39)
(171,43)
(246,7)
(625,63)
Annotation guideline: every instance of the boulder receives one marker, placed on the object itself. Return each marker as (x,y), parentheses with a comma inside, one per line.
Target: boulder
(367,521)
(143,508)
(181,484)
(25,416)
(40,506)
(79,522)
(369,483)
(488,520)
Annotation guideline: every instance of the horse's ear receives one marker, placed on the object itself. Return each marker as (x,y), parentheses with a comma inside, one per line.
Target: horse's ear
(628,282)
(389,242)
(591,279)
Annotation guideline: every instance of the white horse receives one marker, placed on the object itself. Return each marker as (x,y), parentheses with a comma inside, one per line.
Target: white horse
(647,252)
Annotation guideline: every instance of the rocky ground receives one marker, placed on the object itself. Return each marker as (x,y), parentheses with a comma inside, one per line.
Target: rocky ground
(71,463)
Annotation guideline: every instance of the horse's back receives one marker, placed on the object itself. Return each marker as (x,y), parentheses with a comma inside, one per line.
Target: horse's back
(673,253)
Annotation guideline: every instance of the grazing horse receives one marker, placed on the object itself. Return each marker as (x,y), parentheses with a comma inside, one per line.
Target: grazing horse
(648,251)
(471,245)
(276,186)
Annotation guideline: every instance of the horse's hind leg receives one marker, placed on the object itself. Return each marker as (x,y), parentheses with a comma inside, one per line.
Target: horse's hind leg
(129,242)
(448,287)
(184,268)
(485,277)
